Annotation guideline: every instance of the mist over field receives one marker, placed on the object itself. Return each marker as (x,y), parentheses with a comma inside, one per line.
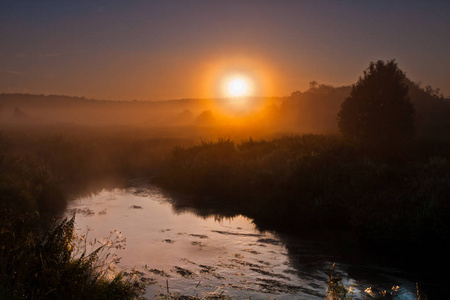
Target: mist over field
(286,162)
(311,111)
(224,150)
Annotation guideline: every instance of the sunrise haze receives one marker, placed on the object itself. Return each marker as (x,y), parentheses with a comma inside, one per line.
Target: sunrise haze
(158,50)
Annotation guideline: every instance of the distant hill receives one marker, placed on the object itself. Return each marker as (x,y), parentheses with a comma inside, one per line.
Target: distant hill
(79,110)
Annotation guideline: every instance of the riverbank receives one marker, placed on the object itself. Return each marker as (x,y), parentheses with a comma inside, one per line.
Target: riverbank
(40,255)
(300,184)
(323,183)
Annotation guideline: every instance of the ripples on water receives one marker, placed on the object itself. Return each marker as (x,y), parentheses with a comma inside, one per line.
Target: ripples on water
(196,254)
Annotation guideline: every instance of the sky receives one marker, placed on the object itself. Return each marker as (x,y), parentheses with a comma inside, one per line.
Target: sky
(160,50)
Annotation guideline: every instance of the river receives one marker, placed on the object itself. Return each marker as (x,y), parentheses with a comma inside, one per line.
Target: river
(191,252)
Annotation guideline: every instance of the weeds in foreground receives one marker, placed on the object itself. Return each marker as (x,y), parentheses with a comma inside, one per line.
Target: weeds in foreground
(100,250)
(40,264)
(336,289)
(37,258)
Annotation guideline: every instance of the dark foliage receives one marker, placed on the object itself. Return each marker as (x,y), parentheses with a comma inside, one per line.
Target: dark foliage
(27,183)
(378,113)
(36,260)
(323,183)
(431,110)
(38,264)
(47,165)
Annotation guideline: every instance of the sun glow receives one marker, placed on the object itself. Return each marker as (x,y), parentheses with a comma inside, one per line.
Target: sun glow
(237,86)
(255,76)
(240,86)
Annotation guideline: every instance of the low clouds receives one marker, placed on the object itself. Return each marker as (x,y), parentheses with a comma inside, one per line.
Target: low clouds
(11,72)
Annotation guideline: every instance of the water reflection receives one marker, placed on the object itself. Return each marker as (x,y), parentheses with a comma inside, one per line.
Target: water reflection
(200,252)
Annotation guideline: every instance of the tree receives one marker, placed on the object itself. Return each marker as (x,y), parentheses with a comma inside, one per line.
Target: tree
(378,112)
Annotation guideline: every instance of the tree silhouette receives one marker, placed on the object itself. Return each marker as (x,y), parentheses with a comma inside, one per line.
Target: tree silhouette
(378,112)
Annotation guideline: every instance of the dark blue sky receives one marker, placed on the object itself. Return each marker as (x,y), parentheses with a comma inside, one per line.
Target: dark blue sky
(175,49)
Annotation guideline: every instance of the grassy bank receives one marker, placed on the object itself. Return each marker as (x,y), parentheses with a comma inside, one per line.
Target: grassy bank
(37,263)
(82,157)
(317,182)
(39,257)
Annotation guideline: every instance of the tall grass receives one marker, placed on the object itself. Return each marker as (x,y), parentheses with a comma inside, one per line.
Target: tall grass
(80,160)
(39,264)
(321,182)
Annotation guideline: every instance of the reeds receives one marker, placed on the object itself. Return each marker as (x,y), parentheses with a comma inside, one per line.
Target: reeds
(336,290)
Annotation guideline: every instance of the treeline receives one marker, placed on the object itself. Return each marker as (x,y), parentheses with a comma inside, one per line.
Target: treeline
(315,110)
(50,109)
(310,111)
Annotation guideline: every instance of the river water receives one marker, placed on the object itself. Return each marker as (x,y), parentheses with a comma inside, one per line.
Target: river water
(189,252)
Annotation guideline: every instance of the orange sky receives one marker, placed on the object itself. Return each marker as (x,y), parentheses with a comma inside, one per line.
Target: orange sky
(157,50)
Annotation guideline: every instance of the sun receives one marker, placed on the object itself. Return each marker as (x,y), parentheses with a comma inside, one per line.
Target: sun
(237,86)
